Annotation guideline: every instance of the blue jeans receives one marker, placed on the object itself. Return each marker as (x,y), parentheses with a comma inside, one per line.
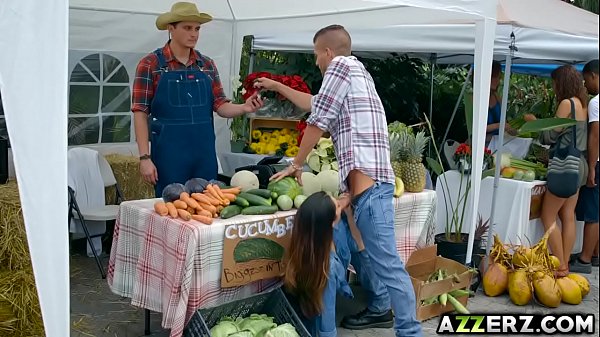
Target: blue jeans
(374,215)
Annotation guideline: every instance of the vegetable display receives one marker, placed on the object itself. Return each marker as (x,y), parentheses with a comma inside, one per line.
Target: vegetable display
(449,297)
(254,325)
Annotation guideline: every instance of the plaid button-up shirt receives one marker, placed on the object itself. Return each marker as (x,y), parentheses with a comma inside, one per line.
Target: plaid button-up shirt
(147,77)
(348,107)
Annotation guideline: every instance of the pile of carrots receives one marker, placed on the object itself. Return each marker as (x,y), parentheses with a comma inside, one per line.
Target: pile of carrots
(201,207)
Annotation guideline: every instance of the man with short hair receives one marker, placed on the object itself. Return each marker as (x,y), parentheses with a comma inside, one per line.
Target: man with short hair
(349,108)
(179,88)
(587,204)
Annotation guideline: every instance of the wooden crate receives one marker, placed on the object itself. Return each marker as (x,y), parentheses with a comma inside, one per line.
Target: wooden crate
(272,123)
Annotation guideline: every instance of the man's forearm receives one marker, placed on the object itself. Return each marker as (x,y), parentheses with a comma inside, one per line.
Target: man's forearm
(311,137)
(230,110)
(140,122)
(298,98)
(593,145)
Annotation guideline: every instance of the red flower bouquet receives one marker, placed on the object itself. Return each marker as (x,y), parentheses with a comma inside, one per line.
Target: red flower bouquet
(293,81)
(463,153)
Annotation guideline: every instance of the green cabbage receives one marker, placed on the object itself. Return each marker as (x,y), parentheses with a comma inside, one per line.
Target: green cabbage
(288,186)
(224,328)
(257,324)
(243,333)
(284,330)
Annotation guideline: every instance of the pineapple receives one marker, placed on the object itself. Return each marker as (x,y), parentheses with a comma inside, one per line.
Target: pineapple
(396,148)
(411,166)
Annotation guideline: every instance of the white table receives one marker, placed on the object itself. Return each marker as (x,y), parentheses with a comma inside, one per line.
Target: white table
(512,208)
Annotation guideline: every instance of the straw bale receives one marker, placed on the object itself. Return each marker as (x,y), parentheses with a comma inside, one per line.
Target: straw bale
(14,249)
(127,172)
(18,295)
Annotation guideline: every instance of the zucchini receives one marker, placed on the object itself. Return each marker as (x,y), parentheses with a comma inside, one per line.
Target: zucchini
(230,211)
(241,202)
(260,192)
(255,200)
(260,210)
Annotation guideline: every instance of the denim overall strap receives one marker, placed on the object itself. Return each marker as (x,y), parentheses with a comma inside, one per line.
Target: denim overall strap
(182,127)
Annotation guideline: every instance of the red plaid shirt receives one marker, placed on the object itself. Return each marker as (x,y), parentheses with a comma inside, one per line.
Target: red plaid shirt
(348,106)
(147,77)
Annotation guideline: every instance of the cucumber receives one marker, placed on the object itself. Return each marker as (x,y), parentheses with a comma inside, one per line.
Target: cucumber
(254,199)
(274,195)
(260,192)
(230,211)
(241,202)
(260,210)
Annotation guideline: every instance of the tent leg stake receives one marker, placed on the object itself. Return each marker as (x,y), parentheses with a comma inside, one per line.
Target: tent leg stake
(146,322)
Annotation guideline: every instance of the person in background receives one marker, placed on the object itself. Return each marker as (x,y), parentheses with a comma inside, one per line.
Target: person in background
(495,105)
(587,204)
(179,88)
(349,108)
(567,83)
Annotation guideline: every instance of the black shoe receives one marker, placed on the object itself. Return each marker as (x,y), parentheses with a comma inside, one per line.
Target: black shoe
(594,261)
(367,319)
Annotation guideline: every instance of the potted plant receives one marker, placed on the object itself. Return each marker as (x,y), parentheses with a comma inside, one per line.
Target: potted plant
(452,243)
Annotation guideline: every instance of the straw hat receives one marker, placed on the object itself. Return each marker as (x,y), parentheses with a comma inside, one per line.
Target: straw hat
(182,11)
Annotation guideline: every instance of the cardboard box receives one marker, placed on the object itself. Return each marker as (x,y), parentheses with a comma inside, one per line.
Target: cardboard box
(423,263)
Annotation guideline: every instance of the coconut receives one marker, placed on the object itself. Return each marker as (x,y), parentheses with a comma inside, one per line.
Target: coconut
(547,291)
(522,257)
(555,262)
(519,288)
(569,290)
(495,280)
(582,282)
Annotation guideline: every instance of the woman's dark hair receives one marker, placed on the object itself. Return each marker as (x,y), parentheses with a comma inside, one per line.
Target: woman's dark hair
(308,255)
(568,83)
(496,68)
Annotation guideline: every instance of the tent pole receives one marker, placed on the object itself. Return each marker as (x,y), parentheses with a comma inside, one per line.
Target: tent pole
(432,60)
(252,55)
(505,90)
(484,54)
(460,97)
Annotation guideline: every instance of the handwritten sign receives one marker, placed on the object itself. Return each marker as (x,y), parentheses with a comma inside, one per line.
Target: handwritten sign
(255,250)
(537,197)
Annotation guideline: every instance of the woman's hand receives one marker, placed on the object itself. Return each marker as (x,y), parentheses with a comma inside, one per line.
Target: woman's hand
(344,200)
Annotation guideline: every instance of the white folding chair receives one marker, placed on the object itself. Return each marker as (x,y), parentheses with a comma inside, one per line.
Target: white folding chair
(98,213)
(449,148)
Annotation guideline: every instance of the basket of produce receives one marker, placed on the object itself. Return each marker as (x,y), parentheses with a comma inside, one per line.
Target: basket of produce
(267,314)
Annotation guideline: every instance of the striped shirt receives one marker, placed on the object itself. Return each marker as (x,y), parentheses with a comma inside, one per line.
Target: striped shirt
(348,107)
(147,77)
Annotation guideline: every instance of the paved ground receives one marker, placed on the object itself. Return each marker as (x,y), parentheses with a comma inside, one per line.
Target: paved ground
(96,311)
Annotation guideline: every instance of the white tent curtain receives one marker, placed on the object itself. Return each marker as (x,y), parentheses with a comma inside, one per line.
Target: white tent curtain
(34,86)
(33,81)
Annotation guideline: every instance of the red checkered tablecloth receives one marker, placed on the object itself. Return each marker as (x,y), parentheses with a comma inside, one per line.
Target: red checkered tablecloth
(414,221)
(174,267)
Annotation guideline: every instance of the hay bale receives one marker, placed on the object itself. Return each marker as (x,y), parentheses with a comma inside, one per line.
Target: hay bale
(127,172)
(18,295)
(14,249)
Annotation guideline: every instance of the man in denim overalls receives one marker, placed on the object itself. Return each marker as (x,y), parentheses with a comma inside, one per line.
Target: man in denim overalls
(179,89)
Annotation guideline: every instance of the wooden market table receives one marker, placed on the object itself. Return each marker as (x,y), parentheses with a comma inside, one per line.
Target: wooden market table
(174,267)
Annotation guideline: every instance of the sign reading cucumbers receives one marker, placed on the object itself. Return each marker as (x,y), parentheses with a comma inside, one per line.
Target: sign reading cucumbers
(255,249)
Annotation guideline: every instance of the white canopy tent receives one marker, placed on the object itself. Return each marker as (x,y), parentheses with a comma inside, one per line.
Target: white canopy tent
(559,33)
(34,75)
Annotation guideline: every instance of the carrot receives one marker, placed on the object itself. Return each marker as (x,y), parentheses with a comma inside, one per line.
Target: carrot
(191,210)
(212,192)
(184,195)
(180,204)
(200,211)
(191,202)
(201,198)
(229,196)
(218,190)
(203,219)
(172,210)
(211,208)
(161,208)
(185,215)
(231,190)
(212,200)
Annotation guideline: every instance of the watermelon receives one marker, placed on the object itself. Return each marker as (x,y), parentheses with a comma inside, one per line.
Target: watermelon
(288,186)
